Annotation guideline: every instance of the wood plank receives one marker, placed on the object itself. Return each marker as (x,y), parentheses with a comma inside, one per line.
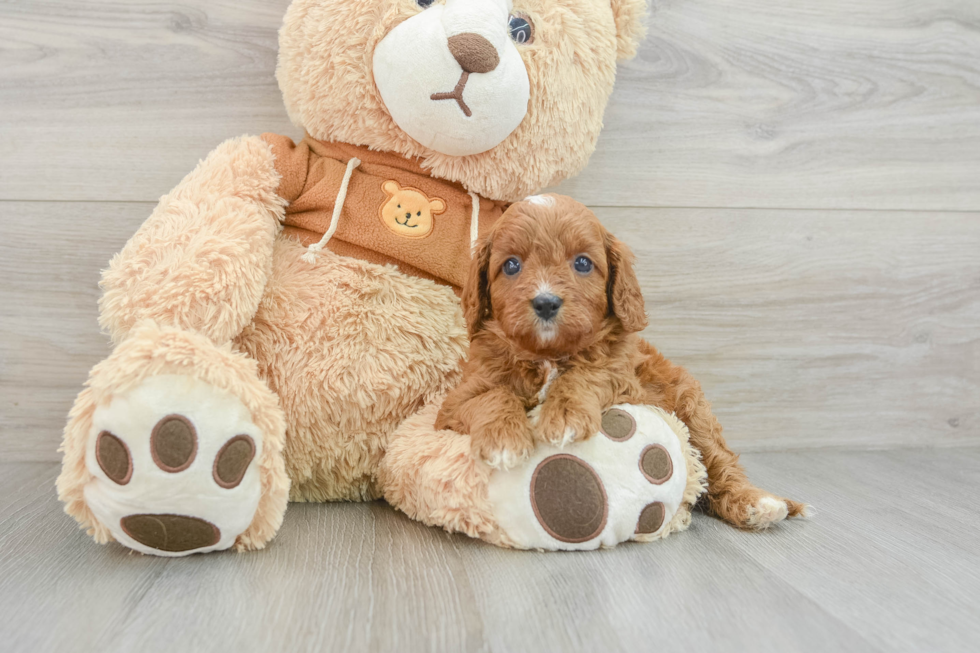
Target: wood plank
(892,549)
(118,101)
(731,103)
(807,329)
(58,590)
(51,255)
(831,104)
(888,564)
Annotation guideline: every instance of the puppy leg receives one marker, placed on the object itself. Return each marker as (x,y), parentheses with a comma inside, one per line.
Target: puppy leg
(573,407)
(730,494)
(497,423)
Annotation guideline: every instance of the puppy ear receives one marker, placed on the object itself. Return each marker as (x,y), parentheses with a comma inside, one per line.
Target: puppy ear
(476,289)
(625,298)
(630,28)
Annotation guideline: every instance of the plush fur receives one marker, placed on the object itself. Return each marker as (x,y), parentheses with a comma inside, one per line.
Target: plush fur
(591,342)
(351,348)
(328,87)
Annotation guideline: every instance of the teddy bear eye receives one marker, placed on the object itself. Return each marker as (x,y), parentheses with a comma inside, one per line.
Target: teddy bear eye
(521,29)
(419,213)
(425,4)
(583,264)
(512,266)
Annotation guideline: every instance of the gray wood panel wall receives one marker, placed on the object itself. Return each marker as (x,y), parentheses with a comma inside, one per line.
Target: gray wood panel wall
(801,183)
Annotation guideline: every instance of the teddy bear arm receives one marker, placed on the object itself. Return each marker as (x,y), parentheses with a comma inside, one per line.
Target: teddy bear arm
(202,259)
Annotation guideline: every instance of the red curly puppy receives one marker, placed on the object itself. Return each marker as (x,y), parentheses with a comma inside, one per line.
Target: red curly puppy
(553,309)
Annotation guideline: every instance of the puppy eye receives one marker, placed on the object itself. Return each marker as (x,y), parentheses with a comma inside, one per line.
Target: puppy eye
(521,29)
(425,4)
(512,266)
(583,264)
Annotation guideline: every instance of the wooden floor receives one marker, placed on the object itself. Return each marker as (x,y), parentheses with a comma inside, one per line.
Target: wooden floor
(889,563)
(801,183)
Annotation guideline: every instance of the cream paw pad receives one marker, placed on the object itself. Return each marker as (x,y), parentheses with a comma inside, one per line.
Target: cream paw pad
(636,479)
(173,466)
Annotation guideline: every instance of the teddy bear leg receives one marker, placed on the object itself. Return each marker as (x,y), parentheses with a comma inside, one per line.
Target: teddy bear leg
(433,477)
(637,479)
(175,447)
(202,260)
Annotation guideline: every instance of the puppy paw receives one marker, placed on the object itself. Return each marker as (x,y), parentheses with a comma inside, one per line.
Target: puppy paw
(766,512)
(560,423)
(501,447)
(755,509)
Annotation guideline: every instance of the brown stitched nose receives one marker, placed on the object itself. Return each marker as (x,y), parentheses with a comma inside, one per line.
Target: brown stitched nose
(474,53)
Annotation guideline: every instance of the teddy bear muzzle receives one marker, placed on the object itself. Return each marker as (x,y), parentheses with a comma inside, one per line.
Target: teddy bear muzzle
(464,103)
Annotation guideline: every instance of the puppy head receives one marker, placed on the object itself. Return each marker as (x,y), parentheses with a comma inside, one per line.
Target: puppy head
(551,278)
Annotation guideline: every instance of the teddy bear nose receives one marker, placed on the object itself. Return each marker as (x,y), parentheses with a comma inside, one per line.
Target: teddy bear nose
(546,306)
(474,53)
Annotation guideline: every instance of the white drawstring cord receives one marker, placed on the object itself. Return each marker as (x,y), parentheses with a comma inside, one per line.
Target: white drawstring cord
(315,248)
(474,221)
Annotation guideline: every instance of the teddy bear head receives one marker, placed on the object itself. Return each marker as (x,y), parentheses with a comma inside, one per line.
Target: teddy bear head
(504,96)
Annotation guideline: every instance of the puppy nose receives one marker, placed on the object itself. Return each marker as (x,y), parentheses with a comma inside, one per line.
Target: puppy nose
(473,53)
(546,306)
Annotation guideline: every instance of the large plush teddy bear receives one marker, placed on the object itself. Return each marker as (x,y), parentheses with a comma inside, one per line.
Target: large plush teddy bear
(288,306)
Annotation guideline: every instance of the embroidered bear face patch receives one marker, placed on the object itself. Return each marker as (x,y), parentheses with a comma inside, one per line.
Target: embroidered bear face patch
(408,211)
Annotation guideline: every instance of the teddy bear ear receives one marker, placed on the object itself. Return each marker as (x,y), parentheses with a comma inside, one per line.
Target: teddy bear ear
(390,187)
(630,16)
(437,206)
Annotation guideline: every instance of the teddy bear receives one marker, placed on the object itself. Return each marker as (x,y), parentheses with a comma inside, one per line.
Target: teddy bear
(286,321)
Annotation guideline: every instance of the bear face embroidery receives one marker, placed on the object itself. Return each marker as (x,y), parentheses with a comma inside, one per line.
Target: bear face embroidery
(408,211)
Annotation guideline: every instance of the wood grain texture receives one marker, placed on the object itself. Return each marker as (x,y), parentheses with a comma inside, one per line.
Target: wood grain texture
(831,104)
(807,329)
(731,103)
(888,564)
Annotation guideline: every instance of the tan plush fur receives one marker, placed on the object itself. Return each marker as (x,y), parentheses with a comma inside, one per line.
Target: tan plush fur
(592,341)
(151,350)
(351,348)
(432,476)
(328,87)
(216,228)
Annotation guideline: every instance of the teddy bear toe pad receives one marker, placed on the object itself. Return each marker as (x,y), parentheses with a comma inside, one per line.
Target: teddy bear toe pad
(626,482)
(173,467)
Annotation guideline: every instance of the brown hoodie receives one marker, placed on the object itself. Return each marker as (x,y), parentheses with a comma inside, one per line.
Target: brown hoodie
(394,212)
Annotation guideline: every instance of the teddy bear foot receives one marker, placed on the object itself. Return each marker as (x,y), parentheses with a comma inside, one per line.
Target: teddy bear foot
(175,448)
(635,480)
(173,467)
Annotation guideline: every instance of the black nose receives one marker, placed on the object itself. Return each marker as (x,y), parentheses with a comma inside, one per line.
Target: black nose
(546,306)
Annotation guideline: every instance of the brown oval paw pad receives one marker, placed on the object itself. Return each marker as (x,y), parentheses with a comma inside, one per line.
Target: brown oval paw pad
(618,425)
(113,457)
(568,498)
(173,533)
(173,443)
(651,519)
(656,465)
(232,461)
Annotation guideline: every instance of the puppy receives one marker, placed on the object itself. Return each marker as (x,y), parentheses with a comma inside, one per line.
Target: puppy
(553,308)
